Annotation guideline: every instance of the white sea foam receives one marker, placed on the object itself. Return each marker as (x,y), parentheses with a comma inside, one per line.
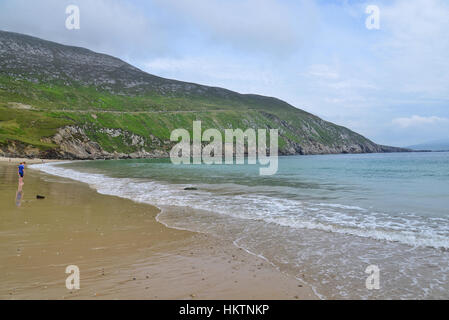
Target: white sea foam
(352,220)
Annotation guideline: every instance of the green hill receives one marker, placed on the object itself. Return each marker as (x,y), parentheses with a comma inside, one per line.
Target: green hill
(67,102)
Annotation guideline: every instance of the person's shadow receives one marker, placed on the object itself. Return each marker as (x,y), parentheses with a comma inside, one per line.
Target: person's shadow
(19,195)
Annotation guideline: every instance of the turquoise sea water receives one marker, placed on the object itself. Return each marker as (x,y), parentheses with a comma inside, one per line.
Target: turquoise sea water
(323,219)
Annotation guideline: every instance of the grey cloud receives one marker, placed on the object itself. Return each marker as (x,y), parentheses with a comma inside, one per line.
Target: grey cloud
(109,26)
(263,26)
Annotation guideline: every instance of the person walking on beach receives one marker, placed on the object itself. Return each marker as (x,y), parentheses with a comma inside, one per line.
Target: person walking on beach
(21,172)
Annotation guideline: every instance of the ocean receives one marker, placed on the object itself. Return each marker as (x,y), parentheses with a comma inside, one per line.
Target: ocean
(322,219)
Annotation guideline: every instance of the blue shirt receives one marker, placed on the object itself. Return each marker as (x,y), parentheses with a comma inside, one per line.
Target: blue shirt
(21,167)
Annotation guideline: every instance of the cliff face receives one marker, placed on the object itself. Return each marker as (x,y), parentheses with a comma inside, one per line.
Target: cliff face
(66,102)
(73,143)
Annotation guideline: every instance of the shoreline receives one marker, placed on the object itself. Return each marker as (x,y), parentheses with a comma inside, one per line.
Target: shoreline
(198,266)
(41,160)
(27,160)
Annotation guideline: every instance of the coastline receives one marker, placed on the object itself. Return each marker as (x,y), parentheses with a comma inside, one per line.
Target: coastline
(120,248)
(27,160)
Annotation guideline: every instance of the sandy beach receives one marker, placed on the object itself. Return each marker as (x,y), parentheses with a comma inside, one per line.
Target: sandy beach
(121,250)
(27,160)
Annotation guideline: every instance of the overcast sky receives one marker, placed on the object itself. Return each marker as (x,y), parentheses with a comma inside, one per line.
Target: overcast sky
(391,84)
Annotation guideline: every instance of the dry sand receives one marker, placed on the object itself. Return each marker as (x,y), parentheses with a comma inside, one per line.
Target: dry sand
(122,252)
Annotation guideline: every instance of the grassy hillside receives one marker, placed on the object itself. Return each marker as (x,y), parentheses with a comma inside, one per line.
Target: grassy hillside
(30,112)
(46,86)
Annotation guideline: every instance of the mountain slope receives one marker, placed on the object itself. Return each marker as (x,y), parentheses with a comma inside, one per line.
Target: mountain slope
(67,102)
(436,145)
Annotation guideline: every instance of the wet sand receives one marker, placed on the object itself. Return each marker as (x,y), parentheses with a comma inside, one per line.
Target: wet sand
(121,250)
